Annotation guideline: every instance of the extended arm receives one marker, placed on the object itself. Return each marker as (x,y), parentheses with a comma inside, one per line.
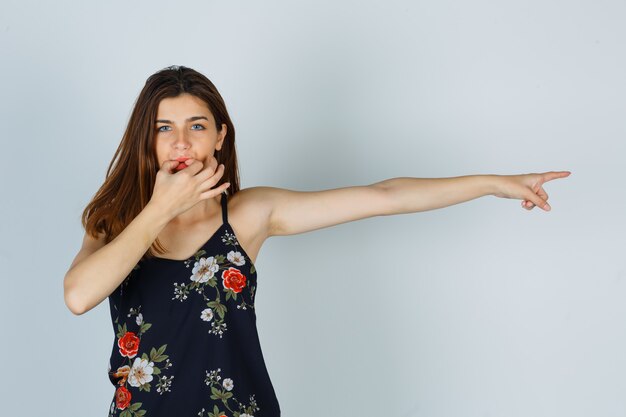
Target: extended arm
(409,195)
(292,212)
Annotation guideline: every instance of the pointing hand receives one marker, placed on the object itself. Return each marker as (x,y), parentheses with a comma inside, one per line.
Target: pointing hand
(528,187)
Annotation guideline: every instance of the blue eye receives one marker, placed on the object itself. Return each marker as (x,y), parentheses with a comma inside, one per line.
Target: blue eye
(197,124)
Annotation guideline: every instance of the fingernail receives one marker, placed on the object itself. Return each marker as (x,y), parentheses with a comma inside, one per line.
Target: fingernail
(548,207)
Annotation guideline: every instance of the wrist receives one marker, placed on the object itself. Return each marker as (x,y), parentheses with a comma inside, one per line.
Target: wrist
(493,182)
(160,212)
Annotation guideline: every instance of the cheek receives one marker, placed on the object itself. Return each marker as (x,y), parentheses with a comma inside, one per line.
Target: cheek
(160,152)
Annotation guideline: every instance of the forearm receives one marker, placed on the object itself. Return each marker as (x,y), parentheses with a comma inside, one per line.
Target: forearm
(409,195)
(91,280)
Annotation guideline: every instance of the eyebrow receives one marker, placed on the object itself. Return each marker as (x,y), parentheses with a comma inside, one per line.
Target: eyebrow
(191,119)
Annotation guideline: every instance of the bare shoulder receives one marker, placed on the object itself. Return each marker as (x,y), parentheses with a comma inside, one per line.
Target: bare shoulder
(252,202)
(249,213)
(255,206)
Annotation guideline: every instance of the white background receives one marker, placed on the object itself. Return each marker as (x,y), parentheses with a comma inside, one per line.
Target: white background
(480,309)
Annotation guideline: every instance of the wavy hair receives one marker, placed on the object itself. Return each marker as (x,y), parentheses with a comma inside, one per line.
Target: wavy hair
(131,174)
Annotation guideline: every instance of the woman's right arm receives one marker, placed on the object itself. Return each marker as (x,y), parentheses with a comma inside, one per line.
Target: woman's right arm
(99,268)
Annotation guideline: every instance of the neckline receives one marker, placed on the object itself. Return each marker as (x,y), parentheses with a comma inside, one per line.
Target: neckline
(197,250)
(224,211)
(207,242)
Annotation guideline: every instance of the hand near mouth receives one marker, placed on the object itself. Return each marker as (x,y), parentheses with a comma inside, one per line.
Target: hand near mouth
(184,163)
(176,193)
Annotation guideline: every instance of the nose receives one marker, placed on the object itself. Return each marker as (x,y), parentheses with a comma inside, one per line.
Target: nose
(181,140)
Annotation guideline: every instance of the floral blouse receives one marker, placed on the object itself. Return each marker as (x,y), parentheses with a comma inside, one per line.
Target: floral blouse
(186,342)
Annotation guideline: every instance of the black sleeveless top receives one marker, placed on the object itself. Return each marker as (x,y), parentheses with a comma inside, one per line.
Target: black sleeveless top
(186,342)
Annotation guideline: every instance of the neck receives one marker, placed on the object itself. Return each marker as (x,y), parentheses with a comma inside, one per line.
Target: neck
(201,212)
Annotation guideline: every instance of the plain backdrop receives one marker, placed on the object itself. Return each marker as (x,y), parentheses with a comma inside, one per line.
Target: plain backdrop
(480,309)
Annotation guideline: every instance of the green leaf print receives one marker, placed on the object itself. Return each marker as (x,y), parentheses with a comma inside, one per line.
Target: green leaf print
(216,412)
(221,310)
(215,392)
(230,294)
(144,326)
(121,330)
(157,355)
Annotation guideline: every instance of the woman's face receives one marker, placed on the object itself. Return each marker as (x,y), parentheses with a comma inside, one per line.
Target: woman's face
(185,127)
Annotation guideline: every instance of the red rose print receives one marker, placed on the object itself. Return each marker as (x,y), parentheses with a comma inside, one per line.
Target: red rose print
(122,398)
(233,279)
(128,344)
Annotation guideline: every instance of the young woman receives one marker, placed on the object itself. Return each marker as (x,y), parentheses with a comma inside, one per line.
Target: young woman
(171,241)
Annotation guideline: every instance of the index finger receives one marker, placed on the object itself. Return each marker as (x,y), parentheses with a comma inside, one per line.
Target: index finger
(552,175)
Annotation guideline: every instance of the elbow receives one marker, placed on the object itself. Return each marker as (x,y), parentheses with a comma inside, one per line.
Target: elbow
(383,200)
(73,304)
(72,300)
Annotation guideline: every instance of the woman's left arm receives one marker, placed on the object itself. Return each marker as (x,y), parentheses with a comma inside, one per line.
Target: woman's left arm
(408,195)
(288,212)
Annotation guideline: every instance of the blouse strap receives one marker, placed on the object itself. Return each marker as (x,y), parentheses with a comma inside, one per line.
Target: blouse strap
(224,207)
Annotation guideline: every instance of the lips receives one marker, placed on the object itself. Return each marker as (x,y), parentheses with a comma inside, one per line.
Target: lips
(182,165)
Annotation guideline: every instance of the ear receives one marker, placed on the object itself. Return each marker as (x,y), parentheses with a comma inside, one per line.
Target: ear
(222,135)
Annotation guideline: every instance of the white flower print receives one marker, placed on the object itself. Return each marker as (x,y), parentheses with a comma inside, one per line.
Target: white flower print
(228,384)
(165,384)
(139,319)
(213,380)
(204,269)
(141,372)
(180,291)
(207,314)
(236,257)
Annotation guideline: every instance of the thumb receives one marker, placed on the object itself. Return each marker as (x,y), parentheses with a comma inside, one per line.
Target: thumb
(538,201)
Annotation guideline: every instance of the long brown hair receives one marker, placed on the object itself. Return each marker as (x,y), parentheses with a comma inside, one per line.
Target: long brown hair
(131,175)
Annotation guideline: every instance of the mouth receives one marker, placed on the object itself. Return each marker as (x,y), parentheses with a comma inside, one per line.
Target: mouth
(182,165)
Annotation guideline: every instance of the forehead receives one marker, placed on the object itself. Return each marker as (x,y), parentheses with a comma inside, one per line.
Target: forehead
(181,107)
